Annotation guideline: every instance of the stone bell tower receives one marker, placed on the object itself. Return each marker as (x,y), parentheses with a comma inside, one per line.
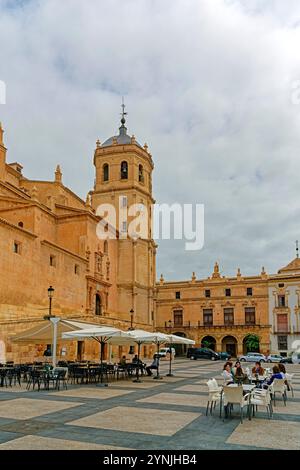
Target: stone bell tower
(124,180)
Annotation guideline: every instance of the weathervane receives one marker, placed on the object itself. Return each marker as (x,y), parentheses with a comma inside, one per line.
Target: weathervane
(123,113)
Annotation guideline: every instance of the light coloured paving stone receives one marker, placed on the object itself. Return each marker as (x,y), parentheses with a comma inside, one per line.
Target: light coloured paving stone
(48,443)
(187,375)
(267,433)
(192,388)
(176,378)
(176,399)
(139,420)
(14,389)
(26,408)
(99,393)
(291,408)
(204,381)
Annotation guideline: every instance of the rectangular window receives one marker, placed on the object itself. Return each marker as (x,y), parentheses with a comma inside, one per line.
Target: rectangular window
(124,226)
(178,317)
(177,295)
(52,260)
(76,269)
(228,316)
(207,316)
(281,301)
(228,292)
(249,291)
(207,293)
(282,343)
(124,201)
(250,315)
(282,323)
(17,247)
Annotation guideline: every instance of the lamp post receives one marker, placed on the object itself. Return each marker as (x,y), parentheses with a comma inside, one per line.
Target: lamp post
(131,319)
(54,320)
(170,354)
(50,295)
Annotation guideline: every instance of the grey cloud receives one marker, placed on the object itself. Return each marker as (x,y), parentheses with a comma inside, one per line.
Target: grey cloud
(208,86)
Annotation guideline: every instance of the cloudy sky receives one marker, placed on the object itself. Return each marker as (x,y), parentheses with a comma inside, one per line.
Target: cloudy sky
(213,87)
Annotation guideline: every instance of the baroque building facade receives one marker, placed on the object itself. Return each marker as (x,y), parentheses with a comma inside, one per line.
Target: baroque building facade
(50,237)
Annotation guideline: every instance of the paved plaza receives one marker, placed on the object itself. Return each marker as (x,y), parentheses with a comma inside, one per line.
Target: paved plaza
(153,415)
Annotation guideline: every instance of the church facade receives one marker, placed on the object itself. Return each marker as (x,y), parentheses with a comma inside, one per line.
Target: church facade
(49,237)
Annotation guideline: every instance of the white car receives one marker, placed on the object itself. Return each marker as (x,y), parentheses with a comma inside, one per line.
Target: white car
(164,351)
(274,358)
(253,357)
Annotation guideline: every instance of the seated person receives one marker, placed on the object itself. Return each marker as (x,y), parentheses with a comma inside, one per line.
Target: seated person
(238,373)
(123,361)
(230,364)
(154,365)
(137,361)
(227,375)
(282,369)
(258,369)
(276,375)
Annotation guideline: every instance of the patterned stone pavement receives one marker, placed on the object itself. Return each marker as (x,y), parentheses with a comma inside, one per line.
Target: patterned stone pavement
(153,415)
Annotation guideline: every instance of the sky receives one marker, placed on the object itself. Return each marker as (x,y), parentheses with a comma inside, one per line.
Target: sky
(212,86)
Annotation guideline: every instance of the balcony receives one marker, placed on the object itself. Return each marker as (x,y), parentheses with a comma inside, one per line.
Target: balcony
(203,326)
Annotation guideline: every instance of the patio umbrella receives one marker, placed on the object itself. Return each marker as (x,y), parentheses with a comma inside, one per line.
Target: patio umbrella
(147,337)
(49,332)
(174,339)
(103,335)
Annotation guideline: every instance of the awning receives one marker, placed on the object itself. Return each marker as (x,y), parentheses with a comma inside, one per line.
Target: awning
(43,333)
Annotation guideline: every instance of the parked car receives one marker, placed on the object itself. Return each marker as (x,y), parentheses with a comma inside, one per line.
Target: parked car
(252,357)
(202,353)
(274,358)
(292,359)
(164,351)
(224,355)
(287,360)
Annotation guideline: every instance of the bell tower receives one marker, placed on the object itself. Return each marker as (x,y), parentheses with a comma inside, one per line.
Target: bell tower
(124,180)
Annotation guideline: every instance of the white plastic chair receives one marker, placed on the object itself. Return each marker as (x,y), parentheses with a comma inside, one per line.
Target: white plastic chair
(214,394)
(278,386)
(289,378)
(234,396)
(261,397)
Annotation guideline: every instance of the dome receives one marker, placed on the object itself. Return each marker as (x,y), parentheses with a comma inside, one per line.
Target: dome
(121,139)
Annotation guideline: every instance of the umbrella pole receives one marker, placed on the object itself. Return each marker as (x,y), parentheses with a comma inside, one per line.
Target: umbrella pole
(137,380)
(101,384)
(170,363)
(157,377)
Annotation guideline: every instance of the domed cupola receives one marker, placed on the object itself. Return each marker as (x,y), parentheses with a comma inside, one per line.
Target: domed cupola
(123,137)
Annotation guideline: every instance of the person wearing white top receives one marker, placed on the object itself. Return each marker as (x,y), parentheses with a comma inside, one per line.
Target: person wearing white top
(227,375)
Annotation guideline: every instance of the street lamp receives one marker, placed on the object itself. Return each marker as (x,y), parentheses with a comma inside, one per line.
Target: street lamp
(54,320)
(50,295)
(131,319)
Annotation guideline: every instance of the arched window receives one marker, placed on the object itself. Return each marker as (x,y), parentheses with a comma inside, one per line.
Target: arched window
(124,171)
(105,172)
(105,247)
(141,174)
(20,224)
(98,307)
